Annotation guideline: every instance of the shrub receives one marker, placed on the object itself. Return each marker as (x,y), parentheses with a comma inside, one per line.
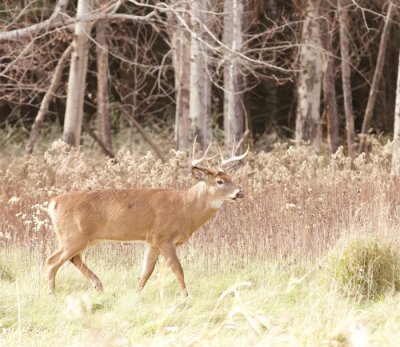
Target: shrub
(5,273)
(366,267)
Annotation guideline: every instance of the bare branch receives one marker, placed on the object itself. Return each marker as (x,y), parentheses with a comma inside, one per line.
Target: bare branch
(55,19)
(44,107)
(59,19)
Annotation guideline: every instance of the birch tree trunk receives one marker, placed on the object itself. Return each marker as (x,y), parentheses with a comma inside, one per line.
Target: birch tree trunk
(200,81)
(377,74)
(180,45)
(308,127)
(345,64)
(234,81)
(77,77)
(396,135)
(330,103)
(103,105)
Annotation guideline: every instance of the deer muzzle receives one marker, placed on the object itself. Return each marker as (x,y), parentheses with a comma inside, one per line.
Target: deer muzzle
(239,195)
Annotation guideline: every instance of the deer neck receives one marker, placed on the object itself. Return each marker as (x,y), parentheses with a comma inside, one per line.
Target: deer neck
(202,203)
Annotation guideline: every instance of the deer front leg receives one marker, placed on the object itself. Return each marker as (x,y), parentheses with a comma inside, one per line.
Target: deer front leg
(149,262)
(168,251)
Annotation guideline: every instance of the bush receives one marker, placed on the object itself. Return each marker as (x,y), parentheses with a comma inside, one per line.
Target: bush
(365,267)
(5,273)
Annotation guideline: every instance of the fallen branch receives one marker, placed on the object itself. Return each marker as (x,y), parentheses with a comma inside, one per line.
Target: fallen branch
(134,123)
(92,134)
(44,106)
(377,76)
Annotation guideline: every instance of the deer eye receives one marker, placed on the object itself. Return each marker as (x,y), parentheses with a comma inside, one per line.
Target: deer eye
(220,182)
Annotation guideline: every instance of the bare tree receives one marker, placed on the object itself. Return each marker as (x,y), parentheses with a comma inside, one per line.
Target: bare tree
(234,81)
(77,77)
(328,84)
(396,131)
(308,127)
(377,74)
(103,112)
(346,73)
(180,46)
(200,80)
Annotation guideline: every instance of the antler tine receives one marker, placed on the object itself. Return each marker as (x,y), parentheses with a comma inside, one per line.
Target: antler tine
(233,158)
(234,147)
(195,162)
(194,150)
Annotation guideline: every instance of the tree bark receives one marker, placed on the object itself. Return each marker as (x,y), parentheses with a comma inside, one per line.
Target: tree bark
(103,105)
(377,75)
(396,132)
(308,127)
(44,106)
(328,86)
(346,74)
(77,78)
(234,81)
(200,81)
(180,45)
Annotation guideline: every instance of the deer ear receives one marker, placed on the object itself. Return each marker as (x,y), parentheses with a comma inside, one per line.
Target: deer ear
(198,173)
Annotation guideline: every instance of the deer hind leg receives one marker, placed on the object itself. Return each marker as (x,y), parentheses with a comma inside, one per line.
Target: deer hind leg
(59,258)
(50,262)
(82,267)
(54,257)
(168,251)
(149,262)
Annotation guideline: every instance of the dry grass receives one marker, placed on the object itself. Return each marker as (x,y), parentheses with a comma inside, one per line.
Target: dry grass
(298,205)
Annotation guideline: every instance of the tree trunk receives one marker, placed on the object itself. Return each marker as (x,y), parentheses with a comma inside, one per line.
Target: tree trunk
(377,75)
(330,104)
(308,127)
(180,45)
(396,135)
(200,81)
(234,81)
(77,78)
(103,105)
(346,83)
(271,9)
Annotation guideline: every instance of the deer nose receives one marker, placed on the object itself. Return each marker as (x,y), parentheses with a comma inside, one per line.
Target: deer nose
(240,194)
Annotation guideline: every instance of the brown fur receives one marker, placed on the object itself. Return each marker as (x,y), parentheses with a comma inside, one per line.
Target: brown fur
(161,218)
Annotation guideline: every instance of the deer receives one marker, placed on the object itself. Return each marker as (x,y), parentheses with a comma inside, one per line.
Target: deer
(162,219)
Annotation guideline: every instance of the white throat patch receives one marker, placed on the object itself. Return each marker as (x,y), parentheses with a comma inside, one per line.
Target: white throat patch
(217,203)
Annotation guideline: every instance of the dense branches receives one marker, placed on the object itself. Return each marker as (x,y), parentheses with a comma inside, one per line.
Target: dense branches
(167,60)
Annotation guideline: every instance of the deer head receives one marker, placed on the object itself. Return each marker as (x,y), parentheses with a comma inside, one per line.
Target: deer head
(219,183)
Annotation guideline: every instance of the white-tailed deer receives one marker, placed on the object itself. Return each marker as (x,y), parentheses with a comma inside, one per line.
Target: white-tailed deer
(161,218)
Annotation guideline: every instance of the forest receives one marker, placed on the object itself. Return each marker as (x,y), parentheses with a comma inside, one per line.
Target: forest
(316,72)
(118,96)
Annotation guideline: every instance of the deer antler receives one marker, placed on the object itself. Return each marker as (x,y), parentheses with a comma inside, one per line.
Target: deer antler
(234,158)
(204,158)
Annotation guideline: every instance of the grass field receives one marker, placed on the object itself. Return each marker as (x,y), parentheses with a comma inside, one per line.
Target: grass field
(260,304)
(268,271)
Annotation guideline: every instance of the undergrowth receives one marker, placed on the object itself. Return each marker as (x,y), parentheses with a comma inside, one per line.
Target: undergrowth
(257,272)
(366,267)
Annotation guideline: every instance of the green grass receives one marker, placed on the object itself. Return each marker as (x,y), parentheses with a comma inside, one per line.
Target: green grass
(266,303)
